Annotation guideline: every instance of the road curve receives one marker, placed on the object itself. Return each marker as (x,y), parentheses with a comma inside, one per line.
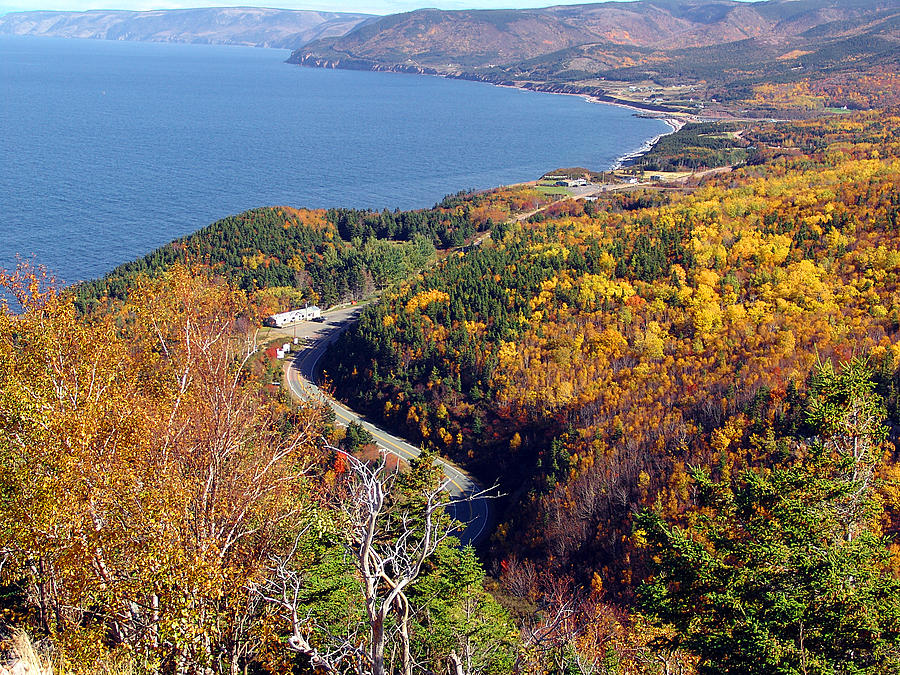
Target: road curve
(301,374)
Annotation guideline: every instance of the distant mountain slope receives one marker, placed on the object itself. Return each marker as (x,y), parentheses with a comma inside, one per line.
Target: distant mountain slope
(722,45)
(252,26)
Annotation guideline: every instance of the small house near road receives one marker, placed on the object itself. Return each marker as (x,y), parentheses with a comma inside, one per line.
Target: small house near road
(293,316)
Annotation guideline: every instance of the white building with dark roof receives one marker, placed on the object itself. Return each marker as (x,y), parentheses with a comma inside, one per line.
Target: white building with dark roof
(293,316)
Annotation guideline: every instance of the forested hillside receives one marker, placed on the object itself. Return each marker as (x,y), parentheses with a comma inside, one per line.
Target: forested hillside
(288,256)
(689,396)
(162,512)
(593,358)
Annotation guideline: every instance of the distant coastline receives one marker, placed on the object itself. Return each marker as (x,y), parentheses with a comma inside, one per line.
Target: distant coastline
(238,26)
(309,60)
(629,157)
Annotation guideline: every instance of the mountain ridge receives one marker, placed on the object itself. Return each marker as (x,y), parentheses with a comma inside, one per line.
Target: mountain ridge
(718,49)
(247,26)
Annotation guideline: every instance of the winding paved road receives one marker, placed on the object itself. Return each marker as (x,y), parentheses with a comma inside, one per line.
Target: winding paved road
(302,372)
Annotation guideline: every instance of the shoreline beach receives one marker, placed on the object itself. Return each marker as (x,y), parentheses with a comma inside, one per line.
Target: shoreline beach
(674,123)
(647,146)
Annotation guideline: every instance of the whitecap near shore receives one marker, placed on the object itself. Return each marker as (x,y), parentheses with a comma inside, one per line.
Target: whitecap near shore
(647,146)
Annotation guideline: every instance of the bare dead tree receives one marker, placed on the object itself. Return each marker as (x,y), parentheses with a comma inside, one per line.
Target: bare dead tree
(387,540)
(284,587)
(544,636)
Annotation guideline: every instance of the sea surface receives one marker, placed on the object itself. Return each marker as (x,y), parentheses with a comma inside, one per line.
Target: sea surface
(111,149)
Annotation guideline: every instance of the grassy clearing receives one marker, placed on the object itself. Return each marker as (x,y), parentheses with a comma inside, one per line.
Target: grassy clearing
(553,190)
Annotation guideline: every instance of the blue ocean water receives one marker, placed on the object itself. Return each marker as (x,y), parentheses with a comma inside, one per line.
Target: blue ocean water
(110,149)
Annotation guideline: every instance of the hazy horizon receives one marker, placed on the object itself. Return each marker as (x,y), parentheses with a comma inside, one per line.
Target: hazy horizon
(381,7)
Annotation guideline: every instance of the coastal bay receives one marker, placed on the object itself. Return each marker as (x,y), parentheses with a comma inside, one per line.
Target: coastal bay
(116,148)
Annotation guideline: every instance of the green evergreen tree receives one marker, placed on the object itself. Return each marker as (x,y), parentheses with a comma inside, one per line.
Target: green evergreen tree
(783,569)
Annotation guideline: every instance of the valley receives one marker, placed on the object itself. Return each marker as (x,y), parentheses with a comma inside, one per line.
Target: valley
(678,374)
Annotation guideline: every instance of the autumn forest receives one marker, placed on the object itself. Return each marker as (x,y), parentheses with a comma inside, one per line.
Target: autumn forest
(687,395)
